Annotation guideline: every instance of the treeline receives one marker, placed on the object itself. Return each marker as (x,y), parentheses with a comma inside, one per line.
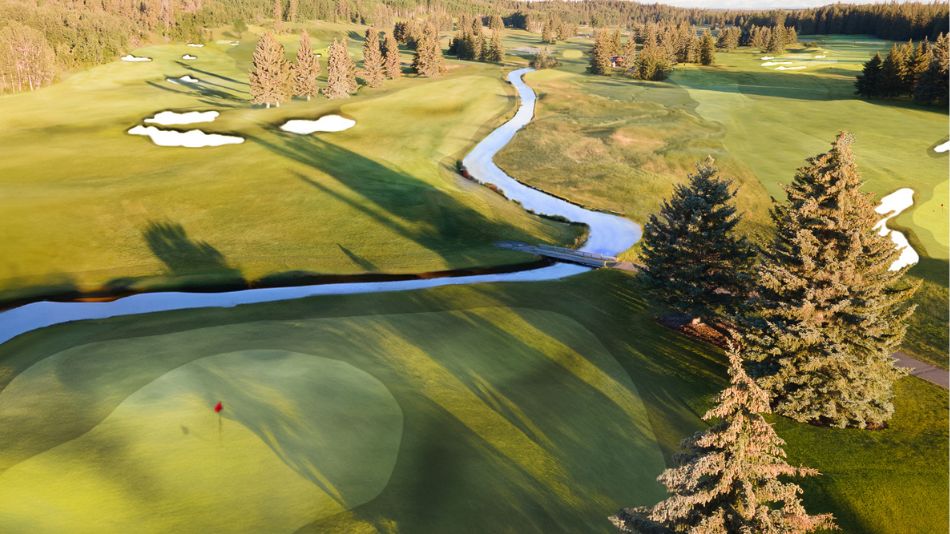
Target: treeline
(470,43)
(919,71)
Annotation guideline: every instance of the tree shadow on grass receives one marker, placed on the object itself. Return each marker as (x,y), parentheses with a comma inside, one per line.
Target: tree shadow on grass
(209,73)
(415,209)
(169,242)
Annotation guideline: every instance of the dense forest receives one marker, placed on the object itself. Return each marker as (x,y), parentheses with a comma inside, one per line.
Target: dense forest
(39,39)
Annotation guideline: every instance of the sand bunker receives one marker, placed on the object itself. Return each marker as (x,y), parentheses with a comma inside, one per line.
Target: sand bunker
(789,68)
(166,118)
(134,59)
(326,123)
(183,79)
(820,57)
(945,147)
(189,56)
(195,45)
(230,43)
(189,139)
(766,58)
(891,206)
(773,63)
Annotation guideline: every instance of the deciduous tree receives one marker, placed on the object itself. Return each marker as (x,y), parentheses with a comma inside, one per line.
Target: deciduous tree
(27,61)
(828,311)
(732,476)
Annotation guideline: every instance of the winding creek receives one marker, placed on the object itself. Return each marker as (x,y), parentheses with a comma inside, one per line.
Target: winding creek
(609,235)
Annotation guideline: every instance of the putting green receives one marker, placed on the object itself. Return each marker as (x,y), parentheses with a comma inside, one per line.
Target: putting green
(320,435)
(491,407)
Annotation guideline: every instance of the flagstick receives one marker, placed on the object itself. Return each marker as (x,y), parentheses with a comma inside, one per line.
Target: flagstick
(219,428)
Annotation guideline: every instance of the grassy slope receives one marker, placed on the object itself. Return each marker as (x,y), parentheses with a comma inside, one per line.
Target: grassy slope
(887,481)
(499,414)
(620,144)
(79,193)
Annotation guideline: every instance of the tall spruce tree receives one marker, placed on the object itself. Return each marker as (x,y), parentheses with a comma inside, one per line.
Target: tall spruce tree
(868,83)
(278,16)
(305,70)
(341,73)
(601,54)
(893,73)
(269,72)
(692,255)
(932,85)
(828,312)
(428,61)
(374,69)
(727,478)
(707,49)
(393,67)
(495,51)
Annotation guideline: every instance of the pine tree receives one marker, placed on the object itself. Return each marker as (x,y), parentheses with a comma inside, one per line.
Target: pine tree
(707,49)
(932,86)
(730,477)
(893,72)
(393,68)
(548,35)
(269,72)
(868,83)
(827,311)
(496,23)
(428,61)
(543,60)
(305,69)
(495,52)
(292,10)
(278,16)
(374,71)
(775,44)
(341,73)
(692,257)
(600,56)
(477,40)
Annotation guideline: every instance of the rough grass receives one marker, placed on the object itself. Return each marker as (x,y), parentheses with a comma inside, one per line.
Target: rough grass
(509,404)
(85,204)
(620,144)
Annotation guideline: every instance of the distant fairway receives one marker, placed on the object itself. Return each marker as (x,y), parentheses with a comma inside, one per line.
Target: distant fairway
(374,415)
(90,207)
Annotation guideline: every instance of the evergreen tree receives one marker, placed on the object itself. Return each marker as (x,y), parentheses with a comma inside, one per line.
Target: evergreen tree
(305,69)
(932,86)
(496,23)
(828,312)
(341,73)
(707,49)
(543,60)
(374,70)
(730,477)
(278,16)
(495,52)
(775,43)
(269,72)
(548,34)
(693,258)
(428,61)
(477,40)
(868,83)
(393,69)
(893,72)
(292,10)
(601,54)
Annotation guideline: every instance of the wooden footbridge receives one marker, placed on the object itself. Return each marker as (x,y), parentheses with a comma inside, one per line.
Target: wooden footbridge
(569,255)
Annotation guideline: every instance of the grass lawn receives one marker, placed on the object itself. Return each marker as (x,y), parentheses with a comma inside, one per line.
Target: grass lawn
(619,144)
(87,206)
(536,407)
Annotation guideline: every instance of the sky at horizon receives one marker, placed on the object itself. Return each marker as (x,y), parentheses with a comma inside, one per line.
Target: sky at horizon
(756,4)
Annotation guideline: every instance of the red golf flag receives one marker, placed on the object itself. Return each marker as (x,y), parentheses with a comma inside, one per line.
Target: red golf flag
(218,407)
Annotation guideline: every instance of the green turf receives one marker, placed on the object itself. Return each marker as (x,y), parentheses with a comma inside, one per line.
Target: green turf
(526,406)
(85,203)
(620,144)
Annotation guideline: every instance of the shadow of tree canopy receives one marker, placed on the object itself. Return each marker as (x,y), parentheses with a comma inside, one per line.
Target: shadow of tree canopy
(169,242)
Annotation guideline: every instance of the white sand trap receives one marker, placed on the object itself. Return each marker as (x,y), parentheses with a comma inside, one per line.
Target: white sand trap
(790,68)
(891,206)
(167,118)
(134,59)
(326,123)
(766,58)
(195,45)
(189,56)
(820,57)
(183,79)
(229,43)
(945,147)
(189,139)
(774,63)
